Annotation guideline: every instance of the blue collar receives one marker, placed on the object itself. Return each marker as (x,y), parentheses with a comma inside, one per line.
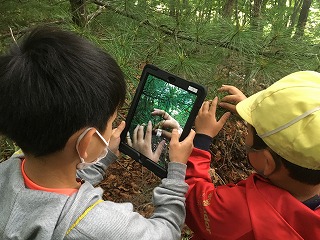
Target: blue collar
(313,202)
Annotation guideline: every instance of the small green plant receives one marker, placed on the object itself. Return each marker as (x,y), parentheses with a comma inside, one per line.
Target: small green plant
(7,148)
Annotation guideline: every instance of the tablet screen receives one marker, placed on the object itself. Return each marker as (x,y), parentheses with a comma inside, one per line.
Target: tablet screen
(162,102)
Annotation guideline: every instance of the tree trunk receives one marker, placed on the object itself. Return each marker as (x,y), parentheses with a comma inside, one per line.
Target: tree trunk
(296,7)
(228,8)
(78,11)
(236,14)
(303,17)
(172,8)
(256,14)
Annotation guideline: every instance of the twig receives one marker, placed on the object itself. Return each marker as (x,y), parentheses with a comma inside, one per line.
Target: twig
(221,179)
(14,39)
(95,14)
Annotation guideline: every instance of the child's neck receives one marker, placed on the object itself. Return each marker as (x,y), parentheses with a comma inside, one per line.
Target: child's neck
(305,192)
(53,171)
(299,190)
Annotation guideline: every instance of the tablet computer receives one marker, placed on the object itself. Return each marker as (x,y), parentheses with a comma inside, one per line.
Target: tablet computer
(161,103)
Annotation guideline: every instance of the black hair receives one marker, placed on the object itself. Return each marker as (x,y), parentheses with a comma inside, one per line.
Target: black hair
(53,84)
(301,174)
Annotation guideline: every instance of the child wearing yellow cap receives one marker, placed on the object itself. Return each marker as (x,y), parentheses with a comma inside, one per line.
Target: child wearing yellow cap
(281,200)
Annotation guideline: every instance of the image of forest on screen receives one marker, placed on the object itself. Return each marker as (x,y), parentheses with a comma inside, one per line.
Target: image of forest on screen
(159,94)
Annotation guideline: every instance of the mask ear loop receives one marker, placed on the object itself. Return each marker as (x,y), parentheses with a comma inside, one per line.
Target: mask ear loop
(78,141)
(102,138)
(83,163)
(105,150)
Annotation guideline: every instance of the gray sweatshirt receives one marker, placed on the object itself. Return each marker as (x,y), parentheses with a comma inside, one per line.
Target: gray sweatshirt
(34,214)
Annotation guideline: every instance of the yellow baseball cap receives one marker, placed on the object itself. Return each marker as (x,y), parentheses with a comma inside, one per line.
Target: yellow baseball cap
(286,116)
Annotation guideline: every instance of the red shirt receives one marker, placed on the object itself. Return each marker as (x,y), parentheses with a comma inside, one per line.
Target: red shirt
(251,209)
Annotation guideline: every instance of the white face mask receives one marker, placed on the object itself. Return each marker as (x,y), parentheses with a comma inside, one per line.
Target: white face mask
(84,164)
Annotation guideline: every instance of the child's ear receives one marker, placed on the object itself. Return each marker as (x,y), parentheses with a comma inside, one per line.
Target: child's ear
(85,142)
(270,164)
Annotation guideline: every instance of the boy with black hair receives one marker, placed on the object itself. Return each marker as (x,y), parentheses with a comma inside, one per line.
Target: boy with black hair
(281,200)
(59,96)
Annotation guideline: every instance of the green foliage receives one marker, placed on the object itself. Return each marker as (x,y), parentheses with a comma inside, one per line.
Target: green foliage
(7,148)
(22,14)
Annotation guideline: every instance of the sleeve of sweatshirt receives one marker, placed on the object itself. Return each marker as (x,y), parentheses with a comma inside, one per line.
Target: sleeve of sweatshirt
(114,221)
(94,174)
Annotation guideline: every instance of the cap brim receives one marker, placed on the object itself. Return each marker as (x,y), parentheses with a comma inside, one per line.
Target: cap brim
(244,108)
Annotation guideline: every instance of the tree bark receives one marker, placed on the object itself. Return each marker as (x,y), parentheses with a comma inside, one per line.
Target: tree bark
(172,8)
(228,8)
(256,14)
(296,7)
(78,11)
(303,17)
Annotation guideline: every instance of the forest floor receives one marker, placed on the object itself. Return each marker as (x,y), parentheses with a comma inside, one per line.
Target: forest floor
(129,181)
